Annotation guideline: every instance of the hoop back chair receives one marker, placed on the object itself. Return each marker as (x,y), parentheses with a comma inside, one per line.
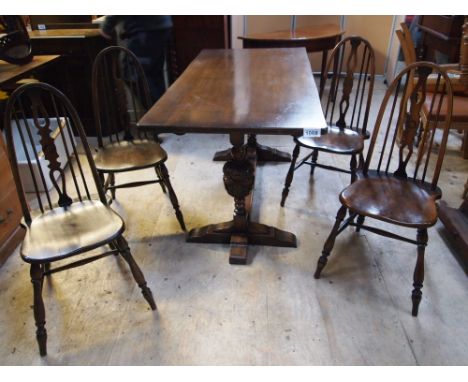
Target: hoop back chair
(120,98)
(399,185)
(346,106)
(72,216)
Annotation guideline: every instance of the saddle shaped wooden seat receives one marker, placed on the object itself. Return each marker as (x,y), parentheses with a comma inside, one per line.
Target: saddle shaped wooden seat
(129,155)
(393,200)
(339,141)
(67,231)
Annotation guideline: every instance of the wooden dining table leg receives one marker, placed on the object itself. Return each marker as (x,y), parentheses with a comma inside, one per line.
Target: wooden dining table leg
(239,179)
(264,153)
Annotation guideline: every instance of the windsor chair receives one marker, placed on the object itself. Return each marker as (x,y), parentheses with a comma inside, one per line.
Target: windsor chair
(120,98)
(346,106)
(400,190)
(72,216)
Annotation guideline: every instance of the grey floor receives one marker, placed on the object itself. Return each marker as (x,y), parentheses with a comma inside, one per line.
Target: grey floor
(271,312)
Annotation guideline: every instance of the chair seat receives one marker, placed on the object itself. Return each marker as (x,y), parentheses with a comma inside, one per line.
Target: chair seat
(63,232)
(393,200)
(125,156)
(337,141)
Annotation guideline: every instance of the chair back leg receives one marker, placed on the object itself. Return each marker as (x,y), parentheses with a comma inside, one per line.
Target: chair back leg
(172,195)
(124,250)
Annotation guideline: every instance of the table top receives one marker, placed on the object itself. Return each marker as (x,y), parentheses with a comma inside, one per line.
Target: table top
(254,91)
(9,72)
(314,32)
(63,33)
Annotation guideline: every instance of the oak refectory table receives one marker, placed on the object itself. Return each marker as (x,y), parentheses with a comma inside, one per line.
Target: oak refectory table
(240,92)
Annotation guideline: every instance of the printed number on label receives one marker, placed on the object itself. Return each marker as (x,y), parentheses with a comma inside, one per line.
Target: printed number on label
(309,133)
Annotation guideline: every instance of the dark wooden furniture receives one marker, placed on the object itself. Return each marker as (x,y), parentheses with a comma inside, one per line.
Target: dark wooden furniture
(79,48)
(69,221)
(440,33)
(191,34)
(455,221)
(231,92)
(10,73)
(46,22)
(459,85)
(120,98)
(11,233)
(347,103)
(396,186)
(317,38)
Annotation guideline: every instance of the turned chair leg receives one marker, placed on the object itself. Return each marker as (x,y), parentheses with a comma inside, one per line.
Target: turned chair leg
(353,167)
(159,175)
(37,278)
(418,276)
(289,176)
(172,196)
(330,242)
(112,184)
(314,162)
(102,178)
(360,222)
(136,271)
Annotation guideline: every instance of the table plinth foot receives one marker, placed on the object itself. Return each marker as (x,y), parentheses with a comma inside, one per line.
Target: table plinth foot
(256,234)
(238,252)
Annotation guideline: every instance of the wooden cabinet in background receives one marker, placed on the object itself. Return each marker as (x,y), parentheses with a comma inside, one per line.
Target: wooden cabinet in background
(11,233)
(191,34)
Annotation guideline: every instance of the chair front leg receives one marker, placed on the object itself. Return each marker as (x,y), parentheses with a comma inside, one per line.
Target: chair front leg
(112,184)
(330,242)
(37,278)
(353,167)
(289,176)
(124,250)
(418,276)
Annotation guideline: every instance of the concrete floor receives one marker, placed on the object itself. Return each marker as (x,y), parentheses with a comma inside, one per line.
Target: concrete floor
(271,312)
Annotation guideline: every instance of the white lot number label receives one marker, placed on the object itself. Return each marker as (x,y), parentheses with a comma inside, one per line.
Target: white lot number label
(312,133)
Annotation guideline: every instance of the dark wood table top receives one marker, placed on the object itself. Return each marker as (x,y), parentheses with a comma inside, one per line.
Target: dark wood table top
(313,32)
(250,91)
(9,72)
